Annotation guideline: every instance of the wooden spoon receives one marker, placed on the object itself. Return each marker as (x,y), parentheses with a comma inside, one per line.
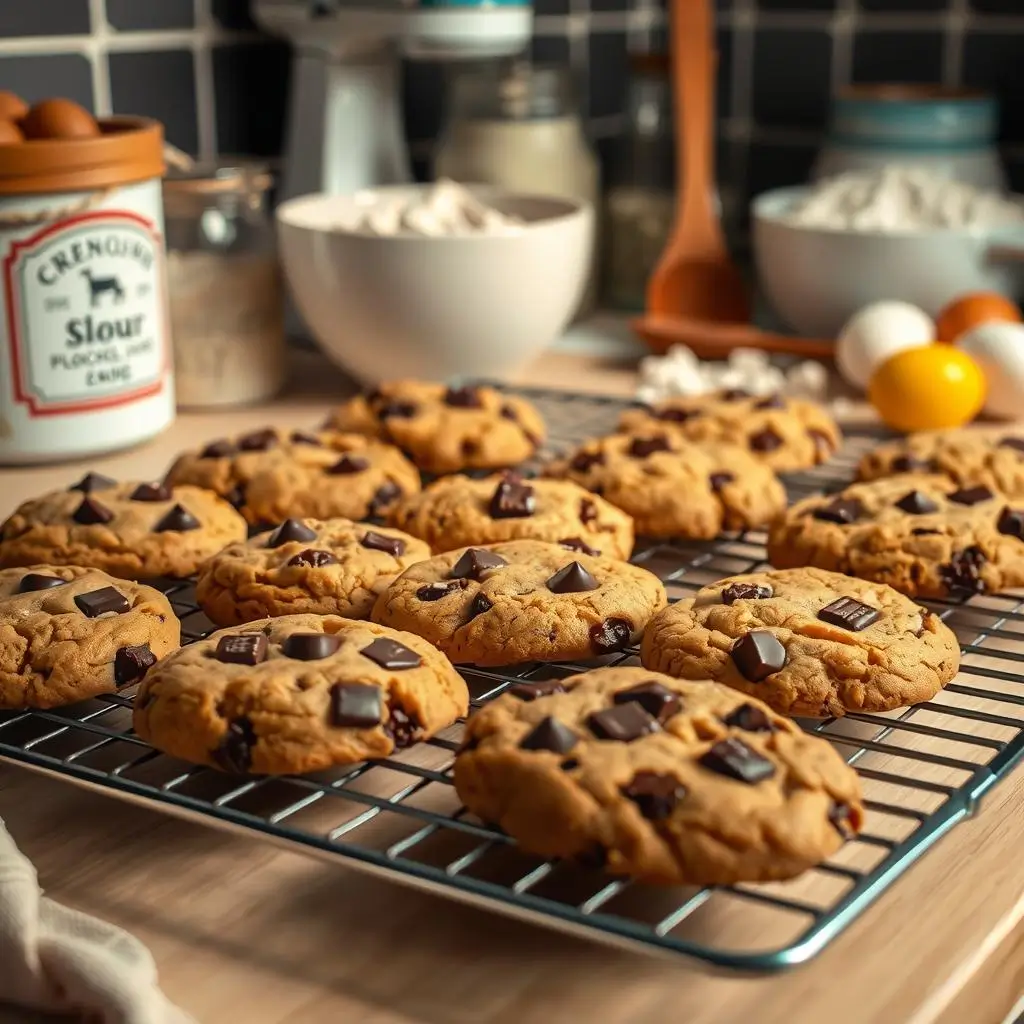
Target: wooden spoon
(694,277)
(716,340)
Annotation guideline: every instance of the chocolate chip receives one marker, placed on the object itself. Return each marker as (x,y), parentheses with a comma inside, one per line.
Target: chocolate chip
(391,655)
(850,614)
(758,655)
(910,464)
(402,726)
(151,492)
(177,519)
(775,401)
(676,415)
(654,794)
(624,722)
(746,592)
(378,542)
(289,530)
(655,698)
(733,394)
(588,511)
(750,718)
(301,437)
(641,447)
(916,503)
(234,754)
(734,758)
(349,464)
(1011,522)
(479,605)
(258,440)
(217,450)
(93,482)
(575,544)
(473,563)
(550,734)
(924,531)
(469,447)
(611,635)
(91,513)
(583,461)
(841,510)
(385,495)
(570,764)
(356,705)
(396,409)
(131,663)
(242,649)
(531,691)
(236,496)
(463,398)
(33,581)
(310,646)
(718,480)
(970,495)
(1012,442)
(311,558)
(508,413)
(766,440)
(839,818)
(435,591)
(823,444)
(512,500)
(102,602)
(962,575)
(572,579)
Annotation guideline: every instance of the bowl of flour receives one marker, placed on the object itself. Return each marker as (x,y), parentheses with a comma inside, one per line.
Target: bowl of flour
(825,251)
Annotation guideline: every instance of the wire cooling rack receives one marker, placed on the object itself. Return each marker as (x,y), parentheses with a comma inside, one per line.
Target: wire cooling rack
(923,769)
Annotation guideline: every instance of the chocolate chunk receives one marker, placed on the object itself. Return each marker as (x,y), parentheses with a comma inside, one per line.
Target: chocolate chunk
(378,542)
(93,482)
(641,447)
(839,818)
(746,592)
(841,510)
(910,464)
(850,614)
(575,544)
(435,591)
(550,734)
(823,444)
(758,654)
(583,461)
(463,398)
(531,691)
(217,450)
(508,413)
(178,519)
(33,581)
(654,697)
(391,655)
(356,705)
(611,635)
(766,440)
(962,575)
(258,440)
(396,409)
(479,605)
(1013,442)
(588,511)
(234,754)
(570,764)
(924,531)
(916,503)
(676,415)
(624,722)
(473,563)
(1011,522)
(654,794)
(236,496)
(572,579)
(469,447)
(385,495)
(310,646)
(311,558)
(750,718)
(301,437)
(734,758)
(733,394)
(349,464)
(512,500)
(151,492)
(402,726)
(91,513)
(775,401)
(131,663)
(102,602)
(242,649)
(289,530)
(718,480)
(970,495)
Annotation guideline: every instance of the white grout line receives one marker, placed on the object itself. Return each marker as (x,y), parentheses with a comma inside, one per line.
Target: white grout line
(741,107)
(119,42)
(953,53)
(206,100)
(95,47)
(902,21)
(843,28)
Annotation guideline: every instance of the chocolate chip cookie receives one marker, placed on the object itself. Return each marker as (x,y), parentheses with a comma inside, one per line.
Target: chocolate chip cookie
(676,488)
(331,566)
(807,642)
(269,475)
(298,694)
(924,535)
(457,511)
(446,429)
(660,779)
(784,433)
(522,601)
(69,633)
(990,457)
(132,530)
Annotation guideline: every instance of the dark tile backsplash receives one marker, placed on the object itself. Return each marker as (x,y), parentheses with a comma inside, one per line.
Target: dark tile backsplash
(220,86)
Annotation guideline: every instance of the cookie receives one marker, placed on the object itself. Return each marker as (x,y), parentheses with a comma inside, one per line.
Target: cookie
(660,779)
(68,633)
(990,457)
(784,433)
(675,488)
(522,601)
(269,475)
(807,642)
(923,535)
(459,511)
(329,567)
(132,530)
(444,429)
(298,694)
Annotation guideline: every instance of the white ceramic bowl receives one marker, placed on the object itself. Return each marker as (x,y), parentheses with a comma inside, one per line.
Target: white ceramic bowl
(435,308)
(817,278)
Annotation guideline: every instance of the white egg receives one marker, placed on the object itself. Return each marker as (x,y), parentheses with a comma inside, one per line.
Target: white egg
(998,348)
(879,331)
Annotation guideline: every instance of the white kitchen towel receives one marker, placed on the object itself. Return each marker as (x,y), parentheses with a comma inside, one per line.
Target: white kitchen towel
(60,960)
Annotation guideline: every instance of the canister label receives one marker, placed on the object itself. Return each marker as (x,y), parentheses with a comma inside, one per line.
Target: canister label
(85,313)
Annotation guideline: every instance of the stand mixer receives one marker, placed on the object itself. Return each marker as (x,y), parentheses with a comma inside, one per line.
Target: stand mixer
(345,118)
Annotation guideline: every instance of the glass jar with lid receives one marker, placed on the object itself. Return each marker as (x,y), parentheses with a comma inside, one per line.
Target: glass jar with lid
(224,286)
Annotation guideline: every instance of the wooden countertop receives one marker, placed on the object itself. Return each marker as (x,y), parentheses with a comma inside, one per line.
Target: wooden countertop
(241,930)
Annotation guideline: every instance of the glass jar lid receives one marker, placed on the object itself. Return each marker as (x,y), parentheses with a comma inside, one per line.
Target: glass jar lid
(519,91)
(194,185)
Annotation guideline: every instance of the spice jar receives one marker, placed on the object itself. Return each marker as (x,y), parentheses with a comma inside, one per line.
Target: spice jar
(85,365)
(224,280)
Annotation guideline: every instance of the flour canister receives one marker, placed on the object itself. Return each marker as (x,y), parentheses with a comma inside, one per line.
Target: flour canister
(85,363)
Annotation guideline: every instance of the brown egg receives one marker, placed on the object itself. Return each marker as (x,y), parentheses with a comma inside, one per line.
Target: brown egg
(9,132)
(59,119)
(12,106)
